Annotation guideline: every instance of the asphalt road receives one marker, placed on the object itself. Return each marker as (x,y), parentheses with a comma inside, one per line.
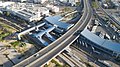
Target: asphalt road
(110,17)
(108,29)
(57,46)
(69,40)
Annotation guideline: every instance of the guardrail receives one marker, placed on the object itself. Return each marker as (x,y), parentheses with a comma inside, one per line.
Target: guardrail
(58,44)
(69,40)
(117,23)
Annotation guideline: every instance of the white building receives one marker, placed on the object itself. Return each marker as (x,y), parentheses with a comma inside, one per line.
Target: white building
(5,4)
(40,1)
(19,0)
(23,0)
(115,0)
(54,8)
(105,5)
(73,2)
(29,12)
(35,1)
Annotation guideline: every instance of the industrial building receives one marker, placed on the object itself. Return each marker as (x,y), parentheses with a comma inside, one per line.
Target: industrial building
(32,1)
(35,34)
(72,2)
(37,37)
(107,46)
(26,11)
(61,26)
(50,24)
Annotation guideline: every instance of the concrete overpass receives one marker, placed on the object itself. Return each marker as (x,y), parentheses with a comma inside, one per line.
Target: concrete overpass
(52,50)
(117,23)
(110,31)
(64,44)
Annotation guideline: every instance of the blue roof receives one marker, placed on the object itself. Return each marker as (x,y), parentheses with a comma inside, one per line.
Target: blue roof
(115,47)
(41,33)
(112,46)
(92,37)
(43,42)
(55,20)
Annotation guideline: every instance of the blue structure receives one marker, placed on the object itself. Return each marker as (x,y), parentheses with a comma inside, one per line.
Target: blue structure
(54,20)
(30,29)
(37,37)
(102,44)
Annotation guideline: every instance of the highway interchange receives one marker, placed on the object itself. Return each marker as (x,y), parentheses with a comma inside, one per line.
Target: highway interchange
(58,46)
(112,19)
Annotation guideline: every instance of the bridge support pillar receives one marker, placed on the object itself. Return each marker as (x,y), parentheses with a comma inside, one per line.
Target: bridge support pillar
(68,49)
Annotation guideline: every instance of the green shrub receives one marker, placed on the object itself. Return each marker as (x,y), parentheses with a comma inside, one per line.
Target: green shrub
(57,64)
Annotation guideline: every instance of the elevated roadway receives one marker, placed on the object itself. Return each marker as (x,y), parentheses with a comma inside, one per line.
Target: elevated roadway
(110,31)
(52,50)
(110,17)
(67,41)
(117,23)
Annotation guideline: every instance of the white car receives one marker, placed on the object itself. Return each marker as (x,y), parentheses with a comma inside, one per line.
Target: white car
(36,55)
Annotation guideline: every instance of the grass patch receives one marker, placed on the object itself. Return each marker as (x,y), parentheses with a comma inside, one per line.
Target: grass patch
(94,4)
(88,65)
(4,33)
(57,64)
(5,30)
(9,28)
(46,65)
(17,44)
(77,3)
(67,9)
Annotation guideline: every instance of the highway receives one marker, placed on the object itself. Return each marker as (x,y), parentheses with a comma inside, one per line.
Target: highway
(117,23)
(67,41)
(110,31)
(49,52)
